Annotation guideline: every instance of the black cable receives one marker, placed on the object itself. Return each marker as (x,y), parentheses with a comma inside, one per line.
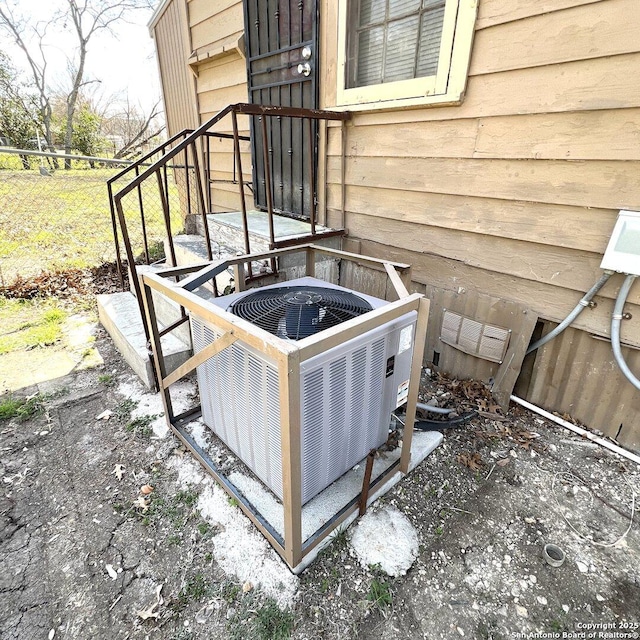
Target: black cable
(439,425)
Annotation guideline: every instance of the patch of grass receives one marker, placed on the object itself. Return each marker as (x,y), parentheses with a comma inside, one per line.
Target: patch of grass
(174,540)
(176,510)
(195,590)
(118,507)
(340,540)
(188,497)
(107,379)
(439,530)
(22,408)
(272,623)
(230,591)
(28,324)
(123,409)
(232,501)
(141,426)
(379,594)
(43,222)
(203,528)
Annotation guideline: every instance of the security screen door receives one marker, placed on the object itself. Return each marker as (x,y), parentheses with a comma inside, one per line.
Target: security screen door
(281,39)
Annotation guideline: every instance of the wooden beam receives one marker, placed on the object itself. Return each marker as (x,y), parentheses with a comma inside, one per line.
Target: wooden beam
(396,281)
(414,382)
(290,419)
(218,345)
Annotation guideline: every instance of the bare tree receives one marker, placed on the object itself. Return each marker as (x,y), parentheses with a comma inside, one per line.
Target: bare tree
(133,129)
(88,18)
(85,18)
(17,28)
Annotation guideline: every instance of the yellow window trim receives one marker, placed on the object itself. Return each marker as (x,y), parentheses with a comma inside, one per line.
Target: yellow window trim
(445,87)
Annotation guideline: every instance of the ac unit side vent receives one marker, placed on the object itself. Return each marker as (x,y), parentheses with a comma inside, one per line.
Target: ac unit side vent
(239,395)
(346,396)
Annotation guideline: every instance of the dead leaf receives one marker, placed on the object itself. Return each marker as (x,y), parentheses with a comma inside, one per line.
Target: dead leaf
(118,470)
(105,415)
(471,460)
(503,463)
(492,416)
(150,611)
(113,574)
(141,503)
(246,587)
(146,489)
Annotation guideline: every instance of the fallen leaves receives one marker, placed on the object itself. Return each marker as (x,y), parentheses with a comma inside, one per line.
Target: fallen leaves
(471,460)
(118,471)
(142,503)
(105,415)
(146,489)
(151,611)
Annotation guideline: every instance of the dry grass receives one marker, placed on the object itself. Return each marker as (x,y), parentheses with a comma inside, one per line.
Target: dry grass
(63,220)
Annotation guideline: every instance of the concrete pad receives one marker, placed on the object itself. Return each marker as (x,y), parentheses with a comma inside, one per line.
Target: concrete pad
(120,316)
(329,502)
(41,366)
(20,369)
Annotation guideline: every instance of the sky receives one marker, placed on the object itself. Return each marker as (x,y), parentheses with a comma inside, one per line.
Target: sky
(124,61)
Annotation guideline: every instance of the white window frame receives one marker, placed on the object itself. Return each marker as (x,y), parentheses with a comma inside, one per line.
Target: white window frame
(447,86)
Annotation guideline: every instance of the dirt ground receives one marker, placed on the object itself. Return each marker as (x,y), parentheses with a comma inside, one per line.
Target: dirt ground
(86,553)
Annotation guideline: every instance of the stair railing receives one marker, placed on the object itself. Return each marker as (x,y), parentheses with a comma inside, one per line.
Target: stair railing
(185,151)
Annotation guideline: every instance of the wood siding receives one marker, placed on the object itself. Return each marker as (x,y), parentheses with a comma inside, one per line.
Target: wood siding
(574,374)
(221,79)
(513,193)
(171,35)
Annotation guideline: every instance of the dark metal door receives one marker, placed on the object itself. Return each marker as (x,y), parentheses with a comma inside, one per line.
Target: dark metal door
(281,40)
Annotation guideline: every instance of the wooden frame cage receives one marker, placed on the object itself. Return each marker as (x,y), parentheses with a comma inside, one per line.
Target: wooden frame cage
(178,284)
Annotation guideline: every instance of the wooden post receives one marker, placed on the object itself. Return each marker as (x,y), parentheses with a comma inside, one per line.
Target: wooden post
(238,276)
(414,382)
(310,264)
(289,381)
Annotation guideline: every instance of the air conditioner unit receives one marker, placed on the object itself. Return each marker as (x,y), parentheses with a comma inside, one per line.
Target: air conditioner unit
(347,393)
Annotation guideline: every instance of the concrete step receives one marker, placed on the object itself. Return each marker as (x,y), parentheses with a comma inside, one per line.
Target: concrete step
(120,315)
(226,229)
(227,239)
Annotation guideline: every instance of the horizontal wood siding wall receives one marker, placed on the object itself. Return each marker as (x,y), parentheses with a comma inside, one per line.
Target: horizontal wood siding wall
(513,193)
(171,35)
(221,80)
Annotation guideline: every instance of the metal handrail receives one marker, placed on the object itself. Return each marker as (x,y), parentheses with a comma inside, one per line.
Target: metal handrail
(184,142)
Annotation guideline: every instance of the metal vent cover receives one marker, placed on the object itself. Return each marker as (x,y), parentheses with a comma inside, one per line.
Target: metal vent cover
(475,338)
(296,312)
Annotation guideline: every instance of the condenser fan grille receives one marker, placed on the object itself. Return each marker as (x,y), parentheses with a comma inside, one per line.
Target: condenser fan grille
(297,312)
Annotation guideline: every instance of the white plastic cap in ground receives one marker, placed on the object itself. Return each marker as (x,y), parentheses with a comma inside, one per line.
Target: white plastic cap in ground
(386,538)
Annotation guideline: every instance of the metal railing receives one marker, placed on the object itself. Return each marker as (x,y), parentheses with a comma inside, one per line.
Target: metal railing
(189,153)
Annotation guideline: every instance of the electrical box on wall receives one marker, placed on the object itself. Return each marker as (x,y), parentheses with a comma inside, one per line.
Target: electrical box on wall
(623,251)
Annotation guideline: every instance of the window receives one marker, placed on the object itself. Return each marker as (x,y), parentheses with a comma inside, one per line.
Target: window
(403,52)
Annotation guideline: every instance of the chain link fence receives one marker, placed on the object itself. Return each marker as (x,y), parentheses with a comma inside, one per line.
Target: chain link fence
(54,219)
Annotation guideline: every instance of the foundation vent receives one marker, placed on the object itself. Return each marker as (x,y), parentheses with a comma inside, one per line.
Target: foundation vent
(475,338)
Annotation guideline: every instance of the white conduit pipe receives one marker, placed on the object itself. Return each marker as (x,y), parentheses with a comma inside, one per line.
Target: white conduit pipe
(579,430)
(616,319)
